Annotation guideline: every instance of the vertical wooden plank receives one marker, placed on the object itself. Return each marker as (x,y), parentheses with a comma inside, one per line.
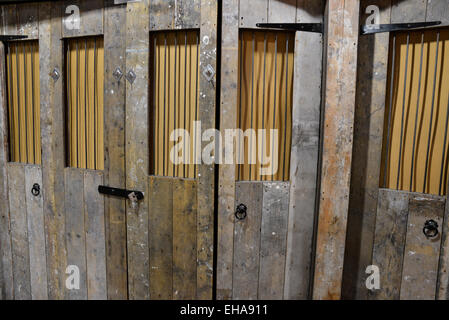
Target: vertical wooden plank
(421,256)
(282,11)
(50,57)
(161,237)
(273,240)
(309,11)
(28,23)
(252,12)
(408,11)
(341,65)
(389,242)
(91,18)
(6,275)
(114,141)
(247,239)
(36,234)
(368,133)
(74,227)
(304,155)
(95,237)
(162,14)
(19,232)
(184,239)
(188,14)
(228,116)
(443,269)
(438,10)
(206,173)
(137,46)
(10,19)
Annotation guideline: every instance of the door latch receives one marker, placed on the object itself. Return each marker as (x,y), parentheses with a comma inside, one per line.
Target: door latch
(134,196)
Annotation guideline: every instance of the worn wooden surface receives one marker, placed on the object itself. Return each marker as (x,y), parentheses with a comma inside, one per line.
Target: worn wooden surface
(91,18)
(438,10)
(137,59)
(247,241)
(252,12)
(408,11)
(421,255)
(36,234)
(95,236)
(282,10)
(206,173)
(174,14)
(161,237)
(389,242)
(343,23)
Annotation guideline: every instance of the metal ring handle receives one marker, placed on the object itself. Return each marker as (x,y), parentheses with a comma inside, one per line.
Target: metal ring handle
(241,212)
(36,190)
(430,229)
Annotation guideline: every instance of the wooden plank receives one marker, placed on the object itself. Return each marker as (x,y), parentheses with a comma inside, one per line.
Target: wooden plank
(252,12)
(443,269)
(10,19)
(408,11)
(137,44)
(6,275)
(27,18)
(339,105)
(19,232)
(304,156)
(188,14)
(389,242)
(228,116)
(114,141)
(438,10)
(74,227)
(53,157)
(206,173)
(184,239)
(421,256)
(282,11)
(91,18)
(161,237)
(36,234)
(273,240)
(368,135)
(247,241)
(95,236)
(309,11)
(162,14)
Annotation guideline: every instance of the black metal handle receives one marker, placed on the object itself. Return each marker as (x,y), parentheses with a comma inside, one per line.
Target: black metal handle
(122,193)
(36,190)
(430,229)
(241,212)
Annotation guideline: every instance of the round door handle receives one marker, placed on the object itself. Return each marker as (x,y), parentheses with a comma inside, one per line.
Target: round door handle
(241,212)
(430,229)
(36,190)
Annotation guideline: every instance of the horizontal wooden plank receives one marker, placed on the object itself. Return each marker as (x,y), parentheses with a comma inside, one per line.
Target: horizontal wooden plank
(253,12)
(90,18)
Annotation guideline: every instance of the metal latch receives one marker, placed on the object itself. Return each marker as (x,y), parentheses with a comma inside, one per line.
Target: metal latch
(378,28)
(308,27)
(134,196)
(11,37)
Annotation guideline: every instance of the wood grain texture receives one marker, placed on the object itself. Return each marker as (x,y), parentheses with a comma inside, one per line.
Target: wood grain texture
(161,237)
(162,14)
(75,232)
(228,120)
(408,11)
(114,140)
(438,10)
(342,38)
(247,241)
(91,18)
(372,74)
(309,11)
(19,232)
(421,256)
(282,11)
(95,236)
(36,234)
(389,242)
(273,240)
(188,14)
(6,275)
(252,12)
(137,59)
(206,173)
(53,157)
(443,269)
(184,239)
(28,20)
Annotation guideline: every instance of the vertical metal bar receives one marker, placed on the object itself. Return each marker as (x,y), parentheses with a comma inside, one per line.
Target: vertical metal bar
(32,103)
(185,105)
(196,99)
(286,106)
(444,148)
(77,104)
(86,148)
(69,98)
(95,104)
(431,113)
(240,103)
(252,106)
(174,101)
(403,112)
(12,129)
(18,102)
(165,85)
(417,111)
(26,100)
(390,110)
(263,96)
(274,106)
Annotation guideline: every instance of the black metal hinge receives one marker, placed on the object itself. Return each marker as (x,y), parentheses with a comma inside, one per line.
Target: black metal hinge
(11,38)
(122,193)
(308,27)
(378,28)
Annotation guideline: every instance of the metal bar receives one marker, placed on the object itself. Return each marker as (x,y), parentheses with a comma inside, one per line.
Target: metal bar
(77,104)
(252,107)
(18,101)
(196,97)
(95,104)
(165,85)
(122,193)
(6,38)
(403,112)
(379,28)
(86,147)
(286,106)
(417,111)
(309,27)
(240,105)
(26,100)
(11,107)
(431,113)
(444,148)
(274,106)
(174,101)
(386,162)
(185,105)
(32,103)
(263,95)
